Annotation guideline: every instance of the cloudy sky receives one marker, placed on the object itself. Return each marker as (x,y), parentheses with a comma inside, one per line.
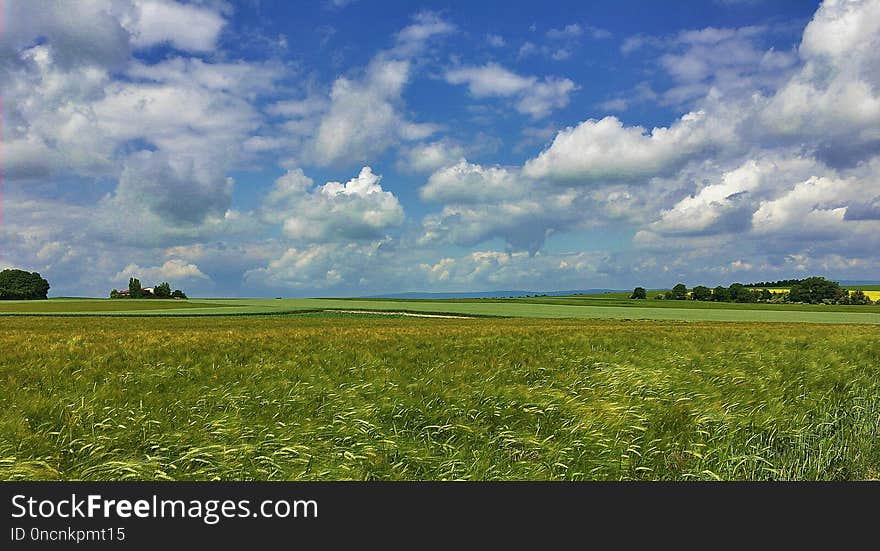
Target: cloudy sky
(355,147)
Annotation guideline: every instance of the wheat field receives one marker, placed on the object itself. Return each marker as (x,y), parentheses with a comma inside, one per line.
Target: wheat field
(333,397)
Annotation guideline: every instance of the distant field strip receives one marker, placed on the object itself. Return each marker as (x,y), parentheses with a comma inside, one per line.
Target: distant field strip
(97,305)
(583,309)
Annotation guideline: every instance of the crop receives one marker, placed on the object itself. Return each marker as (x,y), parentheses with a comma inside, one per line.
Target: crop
(316,397)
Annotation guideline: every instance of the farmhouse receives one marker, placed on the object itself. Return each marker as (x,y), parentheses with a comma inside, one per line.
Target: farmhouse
(126,292)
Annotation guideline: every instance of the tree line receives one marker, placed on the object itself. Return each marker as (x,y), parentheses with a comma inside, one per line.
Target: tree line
(812,290)
(162,290)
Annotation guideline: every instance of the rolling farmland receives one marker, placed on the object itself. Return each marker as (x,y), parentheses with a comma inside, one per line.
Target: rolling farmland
(609,306)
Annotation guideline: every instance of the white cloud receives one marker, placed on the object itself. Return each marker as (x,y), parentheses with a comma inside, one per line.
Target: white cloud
(727,206)
(607,151)
(469,183)
(356,210)
(365,113)
(184,26)
(535,97)
(431,156)
(834,97)
(425,26)
(173,271)
(482,203)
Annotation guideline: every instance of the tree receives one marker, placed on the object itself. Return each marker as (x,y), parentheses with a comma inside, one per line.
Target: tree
(720,294)
(859,297)
(815,290)
(740,293)
(114,294)
(639,293)
(22,285)
(701,292)
(134,288)
(680,292)
(162,290)
(178,294)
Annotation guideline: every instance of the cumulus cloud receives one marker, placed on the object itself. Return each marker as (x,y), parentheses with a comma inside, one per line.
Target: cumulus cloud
(364,114)
(729,204)
(364,117)
(174,270)
(482,203)
(533,96)
(605,150)
(833,99)
(356,210)
(431,156)
(326,266)
(183,26)
(180,191)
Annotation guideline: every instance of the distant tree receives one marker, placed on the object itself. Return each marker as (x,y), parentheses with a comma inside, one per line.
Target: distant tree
(162,290)
(639,293)
(859,297)
(701,292)
(114,294)
(134,288)
(740,293)
(680,292)
(765,295)
(22,285)
(816,290)
(720,294)
(178,294)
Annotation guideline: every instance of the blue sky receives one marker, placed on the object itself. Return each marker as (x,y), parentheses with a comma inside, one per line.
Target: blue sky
(262,148)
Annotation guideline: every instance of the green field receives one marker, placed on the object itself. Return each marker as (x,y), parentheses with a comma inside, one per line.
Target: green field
(610,306)
(332,396)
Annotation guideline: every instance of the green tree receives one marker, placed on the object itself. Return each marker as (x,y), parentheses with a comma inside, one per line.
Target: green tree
(178,294)
(720,294)
(701,292)
(680,292)
(162,290)
(639,293)
(859,297)
(815,290)
(134,288)
(22,285)
(741,293)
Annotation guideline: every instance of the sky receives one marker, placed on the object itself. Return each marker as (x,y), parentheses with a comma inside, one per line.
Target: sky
(354,147)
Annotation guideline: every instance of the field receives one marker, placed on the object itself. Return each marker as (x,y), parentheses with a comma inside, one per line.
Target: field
(352,396)
(608,306)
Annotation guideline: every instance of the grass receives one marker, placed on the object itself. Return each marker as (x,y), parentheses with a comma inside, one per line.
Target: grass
(318,397)
(577,307)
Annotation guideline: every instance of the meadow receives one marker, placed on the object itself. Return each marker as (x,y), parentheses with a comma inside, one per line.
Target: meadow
(326,396)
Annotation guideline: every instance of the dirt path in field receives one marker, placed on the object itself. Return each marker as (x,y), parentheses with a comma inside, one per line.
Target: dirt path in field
(411,314)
